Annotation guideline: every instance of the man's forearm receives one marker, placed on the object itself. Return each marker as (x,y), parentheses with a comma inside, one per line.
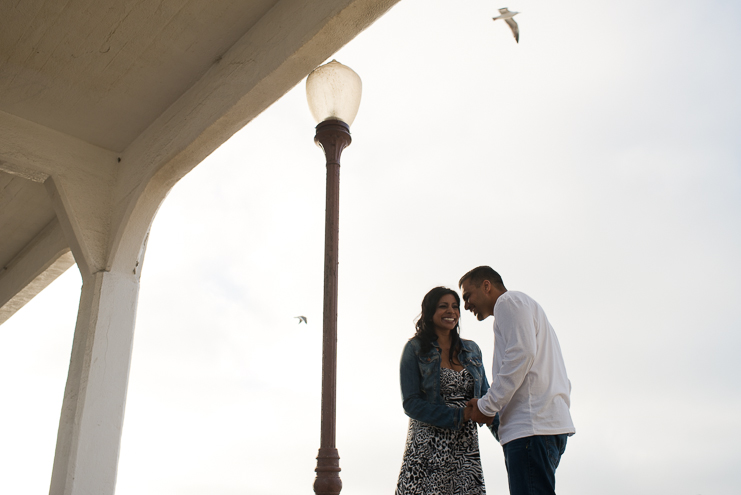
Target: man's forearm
(476,414)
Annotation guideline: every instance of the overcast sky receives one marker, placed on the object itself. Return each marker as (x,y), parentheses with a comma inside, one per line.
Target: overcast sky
(596,165)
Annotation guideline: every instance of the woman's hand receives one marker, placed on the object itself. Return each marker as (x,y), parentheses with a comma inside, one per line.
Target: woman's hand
(467,413)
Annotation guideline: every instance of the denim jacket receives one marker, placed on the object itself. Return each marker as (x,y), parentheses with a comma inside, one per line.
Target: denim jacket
(420,384)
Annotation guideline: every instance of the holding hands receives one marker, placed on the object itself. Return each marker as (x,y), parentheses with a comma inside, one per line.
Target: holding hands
(473,413)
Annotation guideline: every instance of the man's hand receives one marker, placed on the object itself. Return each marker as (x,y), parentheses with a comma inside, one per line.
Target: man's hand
(476,414)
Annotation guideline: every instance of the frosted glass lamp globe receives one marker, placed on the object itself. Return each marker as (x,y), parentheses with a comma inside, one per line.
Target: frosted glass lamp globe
(333,92)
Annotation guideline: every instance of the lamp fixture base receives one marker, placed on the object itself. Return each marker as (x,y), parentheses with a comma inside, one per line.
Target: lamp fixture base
(333,136)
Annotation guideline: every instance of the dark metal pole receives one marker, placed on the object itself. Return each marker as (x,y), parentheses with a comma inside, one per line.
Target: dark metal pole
(333,136)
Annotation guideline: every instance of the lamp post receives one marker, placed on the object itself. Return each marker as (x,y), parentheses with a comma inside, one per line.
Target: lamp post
(333,92)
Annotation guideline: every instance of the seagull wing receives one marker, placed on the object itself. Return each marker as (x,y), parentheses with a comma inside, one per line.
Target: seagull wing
(301,319)
(501,11)
(514,27)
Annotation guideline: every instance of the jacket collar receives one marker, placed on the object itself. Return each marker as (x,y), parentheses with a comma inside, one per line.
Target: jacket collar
(464,345)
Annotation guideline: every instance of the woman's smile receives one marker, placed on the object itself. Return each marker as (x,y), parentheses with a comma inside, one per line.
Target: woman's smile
(447,314)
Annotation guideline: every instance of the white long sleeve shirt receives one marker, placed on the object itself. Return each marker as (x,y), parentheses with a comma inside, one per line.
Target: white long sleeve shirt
(529,389)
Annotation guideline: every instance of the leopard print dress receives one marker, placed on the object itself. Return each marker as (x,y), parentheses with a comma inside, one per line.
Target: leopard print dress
(438,461)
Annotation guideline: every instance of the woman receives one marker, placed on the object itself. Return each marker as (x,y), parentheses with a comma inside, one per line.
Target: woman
(440,372)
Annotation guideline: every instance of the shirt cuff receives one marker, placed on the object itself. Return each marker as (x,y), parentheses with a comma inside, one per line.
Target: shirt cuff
(486,408)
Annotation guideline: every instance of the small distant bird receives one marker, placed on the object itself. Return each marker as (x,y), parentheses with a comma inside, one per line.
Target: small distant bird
(507,16)
(301,319)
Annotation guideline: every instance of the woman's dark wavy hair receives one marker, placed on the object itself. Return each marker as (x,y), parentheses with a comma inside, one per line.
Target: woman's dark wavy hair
(426,328)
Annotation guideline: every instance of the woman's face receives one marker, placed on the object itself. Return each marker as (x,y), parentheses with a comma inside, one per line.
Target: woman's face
(446,314)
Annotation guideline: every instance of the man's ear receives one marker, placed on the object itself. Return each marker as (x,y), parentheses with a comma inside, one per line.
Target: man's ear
(486,286)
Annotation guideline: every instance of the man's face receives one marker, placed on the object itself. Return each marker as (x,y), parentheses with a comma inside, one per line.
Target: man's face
(477,299)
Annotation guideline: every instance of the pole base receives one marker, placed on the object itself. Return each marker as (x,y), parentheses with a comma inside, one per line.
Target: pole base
(327,480)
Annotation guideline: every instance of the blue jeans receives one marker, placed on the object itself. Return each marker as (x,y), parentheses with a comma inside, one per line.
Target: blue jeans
(531,463)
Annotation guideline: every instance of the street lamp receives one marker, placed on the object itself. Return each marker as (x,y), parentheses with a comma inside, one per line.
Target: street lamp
(333,92)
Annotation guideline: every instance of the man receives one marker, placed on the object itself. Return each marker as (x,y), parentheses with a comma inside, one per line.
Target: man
(529,388)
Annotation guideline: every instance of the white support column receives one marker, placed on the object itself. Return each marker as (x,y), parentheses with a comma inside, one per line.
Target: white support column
(89,438)
(91,422)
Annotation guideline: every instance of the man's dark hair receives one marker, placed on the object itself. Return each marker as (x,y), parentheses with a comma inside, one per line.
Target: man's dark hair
(481,273)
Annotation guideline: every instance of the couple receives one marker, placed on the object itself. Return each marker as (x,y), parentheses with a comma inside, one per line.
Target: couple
(445,393)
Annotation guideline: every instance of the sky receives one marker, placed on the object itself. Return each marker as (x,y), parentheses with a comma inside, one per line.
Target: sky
(596,165)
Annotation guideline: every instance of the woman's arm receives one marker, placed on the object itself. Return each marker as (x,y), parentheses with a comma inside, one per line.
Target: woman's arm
(414,400)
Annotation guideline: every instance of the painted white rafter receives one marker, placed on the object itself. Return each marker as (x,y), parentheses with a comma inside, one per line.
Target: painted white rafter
(45,258)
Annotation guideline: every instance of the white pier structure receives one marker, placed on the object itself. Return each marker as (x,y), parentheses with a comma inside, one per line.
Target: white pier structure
(104,106)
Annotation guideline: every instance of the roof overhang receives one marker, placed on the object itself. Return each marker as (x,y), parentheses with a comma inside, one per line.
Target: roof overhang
(135,92)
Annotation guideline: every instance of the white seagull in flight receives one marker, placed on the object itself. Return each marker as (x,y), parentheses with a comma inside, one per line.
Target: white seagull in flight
(507,16)
(301,319)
